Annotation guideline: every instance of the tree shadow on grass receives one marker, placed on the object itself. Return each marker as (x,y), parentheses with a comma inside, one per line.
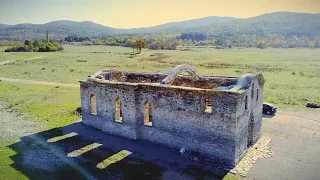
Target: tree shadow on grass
(39,159)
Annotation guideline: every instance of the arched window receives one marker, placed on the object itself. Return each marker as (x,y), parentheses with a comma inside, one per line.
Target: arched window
(257,95)
(93,104)
(118,110)
(148,113)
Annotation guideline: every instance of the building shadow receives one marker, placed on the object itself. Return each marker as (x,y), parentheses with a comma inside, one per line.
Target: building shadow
(268,116)
(38,159)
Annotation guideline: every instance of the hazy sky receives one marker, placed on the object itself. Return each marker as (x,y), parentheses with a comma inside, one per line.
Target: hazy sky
(139,13)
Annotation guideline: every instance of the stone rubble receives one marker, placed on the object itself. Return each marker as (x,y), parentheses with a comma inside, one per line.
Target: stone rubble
(257,151)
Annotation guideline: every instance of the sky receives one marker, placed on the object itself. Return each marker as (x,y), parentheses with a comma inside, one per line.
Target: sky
(142,13)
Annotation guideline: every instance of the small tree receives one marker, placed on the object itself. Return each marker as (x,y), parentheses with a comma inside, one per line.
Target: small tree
(312,44)
(277,42)
(221,42)
(140,44)
(27,43)
(262,44)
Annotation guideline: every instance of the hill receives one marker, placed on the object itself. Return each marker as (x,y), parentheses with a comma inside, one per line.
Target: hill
(178,27)
(61,29)
(57,29)
(286,24)
(278,25)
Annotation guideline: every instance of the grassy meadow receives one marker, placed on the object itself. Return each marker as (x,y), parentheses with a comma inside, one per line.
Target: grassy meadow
(292,78)
(292,75)
(47,106)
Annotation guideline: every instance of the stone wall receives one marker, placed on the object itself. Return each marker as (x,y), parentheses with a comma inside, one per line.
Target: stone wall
(178,115)
(249,120)
(105,118)
(179,120)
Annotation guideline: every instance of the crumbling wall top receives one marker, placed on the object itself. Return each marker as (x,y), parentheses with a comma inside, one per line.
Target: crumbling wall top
(174,80)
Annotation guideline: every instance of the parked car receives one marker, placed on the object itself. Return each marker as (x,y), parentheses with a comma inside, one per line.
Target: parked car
(313,105)
(269,109)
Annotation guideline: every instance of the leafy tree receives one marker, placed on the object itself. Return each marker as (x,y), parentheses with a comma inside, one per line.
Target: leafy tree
(194,36)
(277,42)
(37,46)
(312,44)
(27,42)
(140,44)
(262,44)
(76,39)
(221,42)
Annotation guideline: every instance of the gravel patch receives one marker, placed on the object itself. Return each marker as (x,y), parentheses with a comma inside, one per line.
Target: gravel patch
(14,124)
(258,151)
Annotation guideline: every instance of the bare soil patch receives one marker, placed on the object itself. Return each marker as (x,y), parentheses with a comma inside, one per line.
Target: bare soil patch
(14,124)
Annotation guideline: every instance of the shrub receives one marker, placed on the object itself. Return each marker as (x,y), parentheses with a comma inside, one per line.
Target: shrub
(262,44)
(19,49)
(27,43)
(36,46)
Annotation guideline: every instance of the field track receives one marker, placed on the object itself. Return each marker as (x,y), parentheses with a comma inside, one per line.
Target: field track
(13,60)
(38,82)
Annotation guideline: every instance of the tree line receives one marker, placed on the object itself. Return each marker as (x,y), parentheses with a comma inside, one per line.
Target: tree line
(36,46)
(44,45)
(171,42)
(151,41)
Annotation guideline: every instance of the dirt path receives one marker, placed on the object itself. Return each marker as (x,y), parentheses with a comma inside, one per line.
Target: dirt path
(295,141)
(38,82)
(13,60)
(33,81)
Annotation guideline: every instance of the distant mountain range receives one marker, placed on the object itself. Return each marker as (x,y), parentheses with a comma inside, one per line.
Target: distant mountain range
(56,29)
(63,28)
(178,27)
(285,23)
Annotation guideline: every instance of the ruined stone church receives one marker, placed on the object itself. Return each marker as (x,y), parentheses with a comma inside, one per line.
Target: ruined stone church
(219,117)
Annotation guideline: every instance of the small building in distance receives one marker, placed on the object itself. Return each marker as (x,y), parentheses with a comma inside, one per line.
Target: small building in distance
(219,117)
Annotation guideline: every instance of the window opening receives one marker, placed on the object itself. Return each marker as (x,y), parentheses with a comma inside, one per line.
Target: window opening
(93,104)
(148,114)
(118,113)
(208,106)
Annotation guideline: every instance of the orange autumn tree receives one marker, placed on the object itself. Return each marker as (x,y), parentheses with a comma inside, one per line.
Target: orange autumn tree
(139,44)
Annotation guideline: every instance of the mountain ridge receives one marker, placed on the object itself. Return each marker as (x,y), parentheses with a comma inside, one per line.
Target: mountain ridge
(62,28)
(284,23)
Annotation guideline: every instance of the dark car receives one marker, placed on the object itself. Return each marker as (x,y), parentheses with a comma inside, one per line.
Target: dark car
(313,105)
(269,109)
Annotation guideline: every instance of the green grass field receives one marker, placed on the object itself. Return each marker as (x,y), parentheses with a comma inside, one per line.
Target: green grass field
(46,105)
(292,78)
(292,75)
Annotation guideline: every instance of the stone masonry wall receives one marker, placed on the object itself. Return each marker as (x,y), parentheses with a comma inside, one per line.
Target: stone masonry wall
(178,116)
(105,118)
(179,121)
(249,120)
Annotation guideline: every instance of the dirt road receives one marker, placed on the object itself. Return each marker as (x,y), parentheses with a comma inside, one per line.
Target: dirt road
(295,141)
(13,60)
